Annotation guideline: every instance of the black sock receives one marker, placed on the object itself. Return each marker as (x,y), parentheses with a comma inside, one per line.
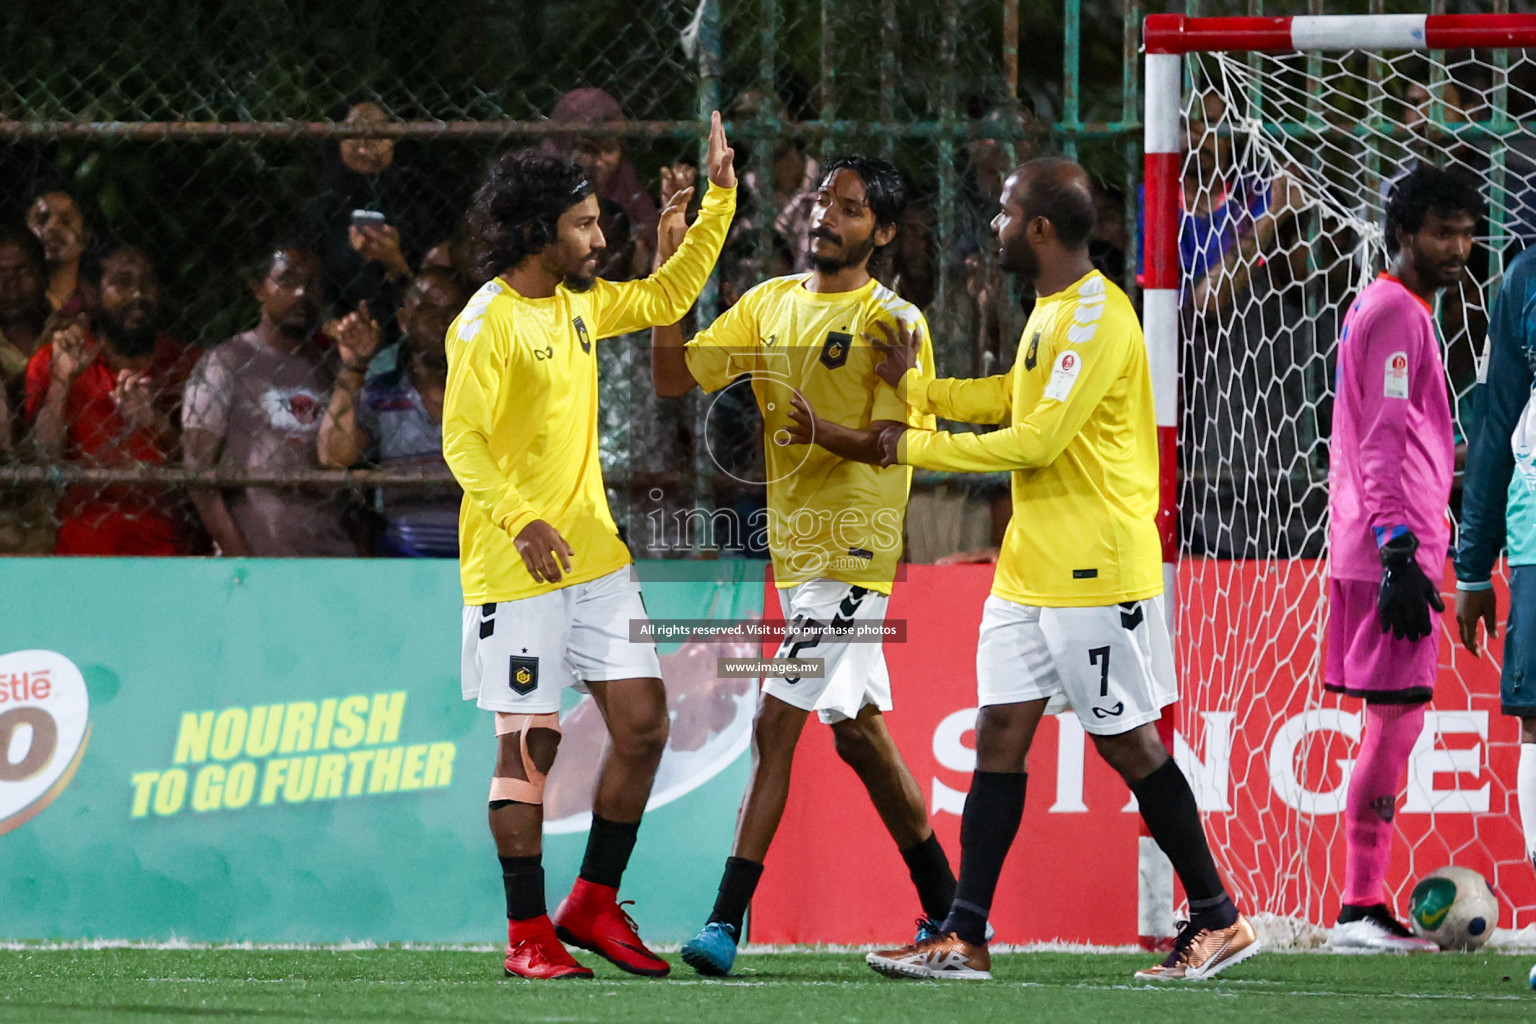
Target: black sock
(1168,807)
(609,845)
(523,878)
(736,888)
(932,875)
(993,809)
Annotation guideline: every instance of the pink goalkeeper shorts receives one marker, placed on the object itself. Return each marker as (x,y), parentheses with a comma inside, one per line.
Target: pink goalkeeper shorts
(1364,660)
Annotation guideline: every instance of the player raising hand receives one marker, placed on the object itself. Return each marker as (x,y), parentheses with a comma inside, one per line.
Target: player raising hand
(834,524)
(548,592)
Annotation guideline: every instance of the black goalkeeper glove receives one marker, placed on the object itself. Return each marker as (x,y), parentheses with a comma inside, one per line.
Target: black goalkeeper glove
(1407,594)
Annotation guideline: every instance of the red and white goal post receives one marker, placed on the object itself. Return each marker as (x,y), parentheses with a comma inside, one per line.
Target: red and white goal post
(1273,142)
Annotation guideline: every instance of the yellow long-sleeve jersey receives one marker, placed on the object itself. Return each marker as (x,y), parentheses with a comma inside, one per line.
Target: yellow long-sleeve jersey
(520,411)
(1079,435)
(827,516)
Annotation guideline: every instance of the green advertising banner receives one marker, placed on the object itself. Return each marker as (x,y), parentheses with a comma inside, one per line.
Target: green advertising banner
(277,751)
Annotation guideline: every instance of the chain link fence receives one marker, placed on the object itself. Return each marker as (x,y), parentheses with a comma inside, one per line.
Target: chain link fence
(161,154)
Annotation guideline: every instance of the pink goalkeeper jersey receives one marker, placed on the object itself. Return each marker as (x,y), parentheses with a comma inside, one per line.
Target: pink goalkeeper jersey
(1392,452)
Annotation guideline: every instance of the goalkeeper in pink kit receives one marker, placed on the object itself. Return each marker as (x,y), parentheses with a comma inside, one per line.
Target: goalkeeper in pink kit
(1392,457)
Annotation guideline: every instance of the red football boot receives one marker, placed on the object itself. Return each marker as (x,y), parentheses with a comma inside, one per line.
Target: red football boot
(534,952)
(591,917)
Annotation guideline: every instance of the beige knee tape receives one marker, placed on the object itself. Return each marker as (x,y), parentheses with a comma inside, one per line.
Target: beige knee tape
(531,789)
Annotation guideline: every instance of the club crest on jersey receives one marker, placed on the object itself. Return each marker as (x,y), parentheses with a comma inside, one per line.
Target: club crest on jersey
(524,676)
(834,352)
(1034,350)
(582,335)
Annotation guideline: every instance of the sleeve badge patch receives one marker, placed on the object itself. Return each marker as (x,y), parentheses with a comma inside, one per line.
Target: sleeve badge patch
(1064,375)
(1396,375)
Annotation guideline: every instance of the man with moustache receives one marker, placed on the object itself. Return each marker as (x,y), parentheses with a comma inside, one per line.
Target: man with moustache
(1076,613)
(105,392)
(834,524)
(549,592)
(395,420)
(1393,456)
(255,402)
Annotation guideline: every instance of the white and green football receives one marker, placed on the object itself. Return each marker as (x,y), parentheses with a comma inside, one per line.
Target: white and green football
(1455,908)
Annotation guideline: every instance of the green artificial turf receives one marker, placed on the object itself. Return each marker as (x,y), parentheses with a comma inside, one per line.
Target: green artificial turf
(382,986)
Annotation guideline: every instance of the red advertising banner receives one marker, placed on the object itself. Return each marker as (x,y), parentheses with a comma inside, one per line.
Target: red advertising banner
(1266,751)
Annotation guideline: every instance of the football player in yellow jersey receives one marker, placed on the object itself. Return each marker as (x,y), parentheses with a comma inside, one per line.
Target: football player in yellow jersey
(834,527)
(548,591)
(1076,612)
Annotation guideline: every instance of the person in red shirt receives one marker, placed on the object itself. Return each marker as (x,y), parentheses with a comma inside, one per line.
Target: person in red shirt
(105,392)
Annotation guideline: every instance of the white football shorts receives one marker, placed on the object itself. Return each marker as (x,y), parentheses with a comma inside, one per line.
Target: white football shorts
(1112,664)
(854,673)
(519,655)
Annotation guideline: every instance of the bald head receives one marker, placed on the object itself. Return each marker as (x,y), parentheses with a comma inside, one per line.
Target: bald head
(1059,190)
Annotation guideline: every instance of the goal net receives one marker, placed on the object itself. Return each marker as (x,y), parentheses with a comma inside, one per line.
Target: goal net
(1272,146)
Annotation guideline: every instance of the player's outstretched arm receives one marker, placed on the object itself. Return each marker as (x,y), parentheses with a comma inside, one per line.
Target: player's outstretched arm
(978,400)
(669,369)
(716,356)
(665,296)
(1036,440)
(850,443)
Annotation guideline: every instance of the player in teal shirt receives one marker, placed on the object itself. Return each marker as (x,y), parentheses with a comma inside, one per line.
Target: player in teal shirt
(1498,509)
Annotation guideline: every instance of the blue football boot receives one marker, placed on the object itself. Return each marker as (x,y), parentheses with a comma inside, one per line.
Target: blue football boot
(713,950)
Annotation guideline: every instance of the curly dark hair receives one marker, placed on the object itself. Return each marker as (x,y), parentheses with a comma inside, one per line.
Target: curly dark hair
(885,189)
(514,212)
(1426,188)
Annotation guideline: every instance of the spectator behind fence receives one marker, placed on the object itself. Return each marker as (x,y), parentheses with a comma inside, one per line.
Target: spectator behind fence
(26,513)
(255,403)
(105,392)
(613,177)
(23,311)
(999,316)
(1249,346)
(372,259)
(796,176)
(456,254)
(57,221)
(397,420)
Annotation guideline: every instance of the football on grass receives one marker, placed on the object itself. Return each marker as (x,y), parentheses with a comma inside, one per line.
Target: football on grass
(1455,908)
